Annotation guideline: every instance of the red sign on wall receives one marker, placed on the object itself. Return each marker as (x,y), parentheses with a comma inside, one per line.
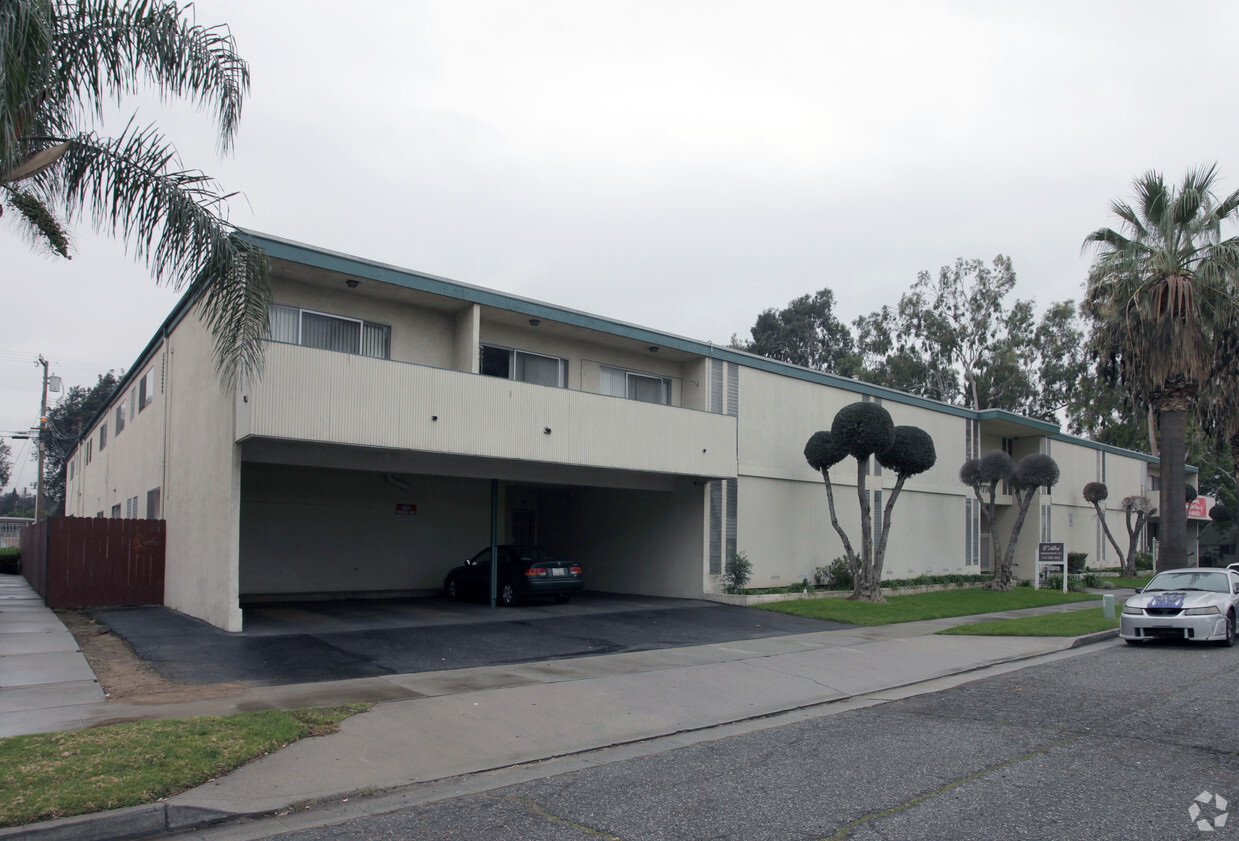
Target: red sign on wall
(406,511)
(1198,509)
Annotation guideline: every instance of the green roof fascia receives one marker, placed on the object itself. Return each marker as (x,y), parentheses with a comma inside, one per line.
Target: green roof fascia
(294,252)
(1118,451)
(1039,426)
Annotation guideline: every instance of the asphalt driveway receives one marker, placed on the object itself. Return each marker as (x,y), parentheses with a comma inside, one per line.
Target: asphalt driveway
(308,642)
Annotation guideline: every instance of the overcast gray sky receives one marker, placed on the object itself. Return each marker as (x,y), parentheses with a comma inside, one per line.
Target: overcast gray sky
(679,164)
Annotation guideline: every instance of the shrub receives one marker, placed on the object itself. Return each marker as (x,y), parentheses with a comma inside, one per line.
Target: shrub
(1055,582)
(1076,561)
(837,576)
(739,570)
(1144,560)
(10,560)
(1093,580)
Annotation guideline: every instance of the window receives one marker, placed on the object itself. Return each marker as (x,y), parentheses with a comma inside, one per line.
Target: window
(129,508)
(152,504)
(133,401)
(89,447)
(103,437)
(328,332)
(116,511)
(146,389)
(523,366)
(634,386)
(120,417)
(72,464)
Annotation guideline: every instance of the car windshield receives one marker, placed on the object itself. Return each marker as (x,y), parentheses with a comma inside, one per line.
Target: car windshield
(1211,581)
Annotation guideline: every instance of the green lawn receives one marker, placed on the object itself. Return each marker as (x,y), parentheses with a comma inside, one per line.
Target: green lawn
(937,605)
(55,775)
(1076,623)
(1131,583)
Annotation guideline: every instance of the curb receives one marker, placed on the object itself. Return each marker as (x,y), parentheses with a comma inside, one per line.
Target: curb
(130,822)
(1099,636)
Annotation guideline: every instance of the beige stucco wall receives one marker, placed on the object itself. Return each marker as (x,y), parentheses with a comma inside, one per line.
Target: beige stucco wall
(202,492)
(313,530)
(643,542)
(427,337)
(132,463)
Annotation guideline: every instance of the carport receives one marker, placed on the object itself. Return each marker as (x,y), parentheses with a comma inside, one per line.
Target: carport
(323,522)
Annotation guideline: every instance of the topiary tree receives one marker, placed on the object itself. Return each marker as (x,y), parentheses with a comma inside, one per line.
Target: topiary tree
(984,474)
(862,430)
(1138,510)
(1097,493)
(1033,472)
(910,454)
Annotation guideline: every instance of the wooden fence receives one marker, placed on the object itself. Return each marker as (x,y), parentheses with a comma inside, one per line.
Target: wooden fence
(95,561)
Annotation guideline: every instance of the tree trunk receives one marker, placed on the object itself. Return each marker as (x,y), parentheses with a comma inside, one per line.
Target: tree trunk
(1172,533)
(1152,421)
(1002,571)
(1101,515)
(879,553)
(862,585)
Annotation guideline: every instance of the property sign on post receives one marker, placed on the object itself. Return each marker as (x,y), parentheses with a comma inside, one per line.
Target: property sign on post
(1050,554)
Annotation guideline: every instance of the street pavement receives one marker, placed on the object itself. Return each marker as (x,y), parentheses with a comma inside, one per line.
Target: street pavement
(465,723)
(1115,743)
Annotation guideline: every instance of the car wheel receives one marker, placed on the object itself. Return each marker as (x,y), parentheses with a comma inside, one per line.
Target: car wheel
(562,598)
(452,589)
(1231,634)
(507,594)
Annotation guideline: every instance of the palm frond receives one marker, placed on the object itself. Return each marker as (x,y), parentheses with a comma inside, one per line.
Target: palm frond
(106,49)
(172,217)
(40,223)
(26,48)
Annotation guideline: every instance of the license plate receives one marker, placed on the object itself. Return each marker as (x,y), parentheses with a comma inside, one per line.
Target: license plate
(558,571)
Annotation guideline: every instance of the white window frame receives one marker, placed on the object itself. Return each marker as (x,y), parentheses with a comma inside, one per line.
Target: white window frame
(361,332)
(628,383)
(561,363)
(146,389)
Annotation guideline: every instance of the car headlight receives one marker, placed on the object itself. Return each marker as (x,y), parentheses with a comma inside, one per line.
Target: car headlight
(1202,611)
(1132,610)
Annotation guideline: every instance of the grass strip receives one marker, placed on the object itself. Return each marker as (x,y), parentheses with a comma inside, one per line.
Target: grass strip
(939,605)
(1076,623)
(56,775)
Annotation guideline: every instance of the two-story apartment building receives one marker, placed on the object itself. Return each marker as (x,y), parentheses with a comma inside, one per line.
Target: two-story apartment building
(398,414)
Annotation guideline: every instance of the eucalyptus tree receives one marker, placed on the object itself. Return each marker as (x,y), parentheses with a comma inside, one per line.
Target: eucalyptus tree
(62,63)
(1026,478)
(1161,288)
(863,430)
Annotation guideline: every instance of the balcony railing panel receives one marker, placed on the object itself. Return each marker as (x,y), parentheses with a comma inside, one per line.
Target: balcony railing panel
(325,397)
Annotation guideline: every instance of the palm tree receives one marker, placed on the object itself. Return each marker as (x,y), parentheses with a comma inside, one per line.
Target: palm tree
(61,63)
(1161,290)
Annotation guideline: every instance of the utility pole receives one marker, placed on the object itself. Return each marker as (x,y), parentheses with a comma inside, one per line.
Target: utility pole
(38,497)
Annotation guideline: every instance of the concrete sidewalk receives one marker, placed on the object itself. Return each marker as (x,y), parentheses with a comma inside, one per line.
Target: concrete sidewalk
(45,682)
(440,725)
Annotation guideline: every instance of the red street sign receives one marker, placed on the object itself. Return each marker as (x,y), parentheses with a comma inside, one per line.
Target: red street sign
(1197,509)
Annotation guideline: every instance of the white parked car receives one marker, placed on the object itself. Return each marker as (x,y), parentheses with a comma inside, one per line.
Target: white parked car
(1185,604)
